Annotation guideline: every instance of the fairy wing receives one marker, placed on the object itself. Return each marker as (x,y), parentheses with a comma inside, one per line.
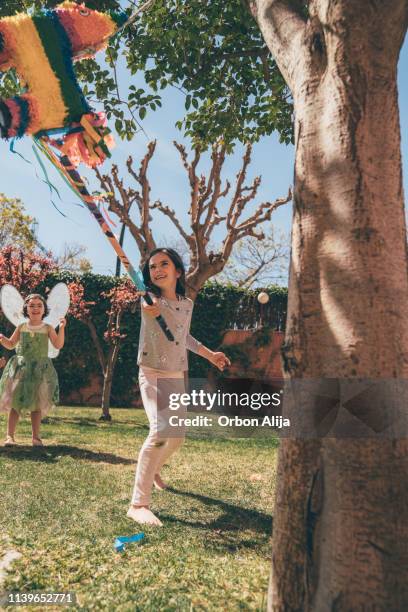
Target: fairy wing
(12,304)
(58,304)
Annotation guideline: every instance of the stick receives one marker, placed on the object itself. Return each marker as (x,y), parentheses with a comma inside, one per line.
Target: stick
(133,17)
(66,167)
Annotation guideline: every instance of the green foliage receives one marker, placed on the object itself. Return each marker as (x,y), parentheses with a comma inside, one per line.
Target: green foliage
(11,7)
(215,54)
(236,355)
(78,360)
(15,224)
(221,307)
(262,337)
(217,308)
(211,51)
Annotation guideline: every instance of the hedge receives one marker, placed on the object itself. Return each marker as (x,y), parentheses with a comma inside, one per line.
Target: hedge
(217,308)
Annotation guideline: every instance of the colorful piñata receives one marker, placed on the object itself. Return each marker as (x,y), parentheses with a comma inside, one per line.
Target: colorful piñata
(42,48)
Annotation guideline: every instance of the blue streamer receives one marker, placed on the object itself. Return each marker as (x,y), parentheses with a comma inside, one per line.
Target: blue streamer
(121,541)
(37,143)
(48,182)
(137,278)
(12,149)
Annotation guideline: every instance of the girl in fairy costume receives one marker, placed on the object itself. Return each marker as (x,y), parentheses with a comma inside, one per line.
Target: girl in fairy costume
(29,382)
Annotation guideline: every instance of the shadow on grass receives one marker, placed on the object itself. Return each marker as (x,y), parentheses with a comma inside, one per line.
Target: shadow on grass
(85,422)
(225,528)
(51,454)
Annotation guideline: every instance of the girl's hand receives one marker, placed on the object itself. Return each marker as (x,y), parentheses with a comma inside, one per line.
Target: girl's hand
(220,360)
(151,311)
(1,338)
(62,323)
(2,362)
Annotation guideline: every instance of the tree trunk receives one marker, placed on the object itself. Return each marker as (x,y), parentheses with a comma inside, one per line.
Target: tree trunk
(108,380)
(106,391)
(340,524)
(196,279)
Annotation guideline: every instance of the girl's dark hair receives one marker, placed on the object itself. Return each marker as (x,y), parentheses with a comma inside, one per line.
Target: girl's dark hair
(178,263)
(37,296)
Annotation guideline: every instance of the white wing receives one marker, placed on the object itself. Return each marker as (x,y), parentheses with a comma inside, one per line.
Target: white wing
(52,351)
(12,304)
(58,304)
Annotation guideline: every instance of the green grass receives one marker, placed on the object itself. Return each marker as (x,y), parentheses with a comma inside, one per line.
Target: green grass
(62,507)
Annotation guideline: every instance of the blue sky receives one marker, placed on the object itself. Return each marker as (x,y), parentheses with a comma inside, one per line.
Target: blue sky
(272,160)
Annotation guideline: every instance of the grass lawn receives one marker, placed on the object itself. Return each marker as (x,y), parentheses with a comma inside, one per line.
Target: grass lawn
(62,507)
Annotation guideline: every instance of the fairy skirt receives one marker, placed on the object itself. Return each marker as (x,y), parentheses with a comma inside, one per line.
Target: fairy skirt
(29,381)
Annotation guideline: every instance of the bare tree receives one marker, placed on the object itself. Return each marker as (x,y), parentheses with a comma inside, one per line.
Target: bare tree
(72,258)
(212,204)
(258,262)
(176,242)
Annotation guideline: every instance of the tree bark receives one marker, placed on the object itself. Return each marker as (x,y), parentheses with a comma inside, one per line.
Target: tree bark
(109,370)
(340,524)
(108,379)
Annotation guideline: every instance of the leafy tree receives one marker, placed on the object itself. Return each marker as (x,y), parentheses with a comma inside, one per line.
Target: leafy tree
(16,227)
(25,270)
(339,541)
(213,52)
(121,298)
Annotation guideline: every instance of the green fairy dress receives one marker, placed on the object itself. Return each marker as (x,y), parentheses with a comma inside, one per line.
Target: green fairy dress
(29,381)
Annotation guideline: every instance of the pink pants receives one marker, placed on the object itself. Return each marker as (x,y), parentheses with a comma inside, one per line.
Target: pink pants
(155,388)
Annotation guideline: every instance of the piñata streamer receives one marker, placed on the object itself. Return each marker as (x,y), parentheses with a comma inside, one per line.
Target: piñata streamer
(64,165)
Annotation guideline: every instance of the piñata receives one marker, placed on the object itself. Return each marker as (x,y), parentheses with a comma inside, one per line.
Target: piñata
(42,48)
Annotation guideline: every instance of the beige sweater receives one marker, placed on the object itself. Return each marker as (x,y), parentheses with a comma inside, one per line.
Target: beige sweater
(155,351)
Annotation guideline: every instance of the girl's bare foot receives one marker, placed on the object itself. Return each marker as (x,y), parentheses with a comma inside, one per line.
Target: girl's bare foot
(37,442)
(143,515)
(159,483)
(10,441)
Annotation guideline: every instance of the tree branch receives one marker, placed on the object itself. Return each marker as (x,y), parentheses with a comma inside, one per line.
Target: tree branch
(247,228)
(98,346)
(282,25)
(170,213)
(248,280)
(194,181)
(141,178)
(120,209)
(218,159)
